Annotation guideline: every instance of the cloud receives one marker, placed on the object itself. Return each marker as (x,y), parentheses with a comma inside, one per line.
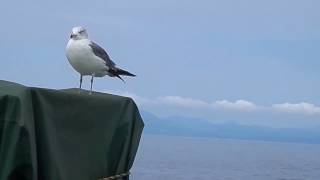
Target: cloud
(305,108)
(166,100)
(183,102)
(239,105)
(186,102)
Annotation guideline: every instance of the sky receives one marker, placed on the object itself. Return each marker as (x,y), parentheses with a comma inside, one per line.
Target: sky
(249,61)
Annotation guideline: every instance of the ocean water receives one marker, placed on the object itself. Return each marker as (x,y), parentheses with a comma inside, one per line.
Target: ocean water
(175,158)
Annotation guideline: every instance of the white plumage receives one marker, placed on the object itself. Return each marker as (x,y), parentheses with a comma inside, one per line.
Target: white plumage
(83,60)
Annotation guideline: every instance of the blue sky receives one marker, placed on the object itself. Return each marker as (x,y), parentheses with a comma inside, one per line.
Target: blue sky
(244,61)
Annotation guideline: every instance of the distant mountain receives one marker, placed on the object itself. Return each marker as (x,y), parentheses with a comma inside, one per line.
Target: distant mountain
(180,126)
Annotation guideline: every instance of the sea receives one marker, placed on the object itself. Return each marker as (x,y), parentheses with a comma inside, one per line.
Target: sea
(186,158)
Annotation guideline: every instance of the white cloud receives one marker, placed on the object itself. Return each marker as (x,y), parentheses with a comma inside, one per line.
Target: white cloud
(239,105)
(303,107)
(165,100)
(183,102)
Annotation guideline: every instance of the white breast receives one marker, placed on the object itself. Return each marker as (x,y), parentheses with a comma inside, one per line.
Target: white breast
(83,60)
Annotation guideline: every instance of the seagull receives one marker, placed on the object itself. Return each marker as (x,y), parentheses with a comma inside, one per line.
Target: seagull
(89,59)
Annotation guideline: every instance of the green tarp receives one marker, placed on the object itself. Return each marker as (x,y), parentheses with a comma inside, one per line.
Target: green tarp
(63,135)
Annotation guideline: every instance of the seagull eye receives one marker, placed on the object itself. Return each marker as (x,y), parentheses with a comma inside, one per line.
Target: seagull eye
(81,31)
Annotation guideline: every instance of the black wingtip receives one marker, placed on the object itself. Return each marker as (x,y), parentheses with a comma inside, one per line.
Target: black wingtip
(124,72)
(120,78)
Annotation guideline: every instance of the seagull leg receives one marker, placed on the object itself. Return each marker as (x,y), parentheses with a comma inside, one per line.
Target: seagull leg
(80,83)
(91,84)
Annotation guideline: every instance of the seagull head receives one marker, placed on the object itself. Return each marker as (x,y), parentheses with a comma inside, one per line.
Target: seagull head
(78,33)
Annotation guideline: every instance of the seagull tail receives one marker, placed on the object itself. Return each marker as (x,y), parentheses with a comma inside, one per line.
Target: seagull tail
(117,75)
(117,72)
(123,72)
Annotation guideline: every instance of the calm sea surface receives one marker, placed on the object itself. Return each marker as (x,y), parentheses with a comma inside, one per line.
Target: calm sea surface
(175,158)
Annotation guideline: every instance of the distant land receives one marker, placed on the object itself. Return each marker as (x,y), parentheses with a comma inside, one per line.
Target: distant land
(181,126)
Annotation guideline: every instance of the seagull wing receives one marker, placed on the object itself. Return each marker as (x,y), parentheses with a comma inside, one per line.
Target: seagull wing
(101,53)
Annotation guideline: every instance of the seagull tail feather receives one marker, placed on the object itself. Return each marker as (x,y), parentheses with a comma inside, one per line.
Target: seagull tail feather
(117,72)
(117,75)
(123,72)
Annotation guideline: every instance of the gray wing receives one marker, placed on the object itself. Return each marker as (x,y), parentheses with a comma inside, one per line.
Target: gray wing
(101,53)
